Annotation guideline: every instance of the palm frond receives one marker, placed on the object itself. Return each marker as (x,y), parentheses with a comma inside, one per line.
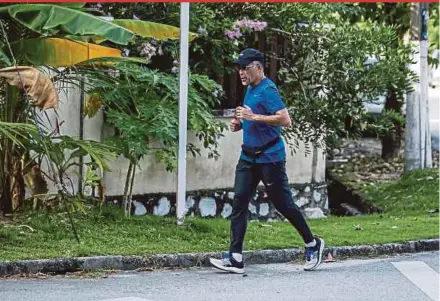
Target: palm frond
(17,132)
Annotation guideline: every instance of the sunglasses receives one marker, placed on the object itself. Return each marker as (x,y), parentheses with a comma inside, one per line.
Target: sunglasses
(241,68)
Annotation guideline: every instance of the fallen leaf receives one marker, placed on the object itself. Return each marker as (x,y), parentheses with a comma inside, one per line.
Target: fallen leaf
(329,258)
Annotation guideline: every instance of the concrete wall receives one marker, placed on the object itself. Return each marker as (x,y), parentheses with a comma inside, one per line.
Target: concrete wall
(152,178)
(68,117)
(204,173)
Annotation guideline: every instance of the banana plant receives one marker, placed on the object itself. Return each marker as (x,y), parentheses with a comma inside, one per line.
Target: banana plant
(63,31)
(52,36)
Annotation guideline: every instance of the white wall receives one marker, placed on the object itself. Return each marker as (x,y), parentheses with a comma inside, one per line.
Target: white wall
(68,117)
(202,172)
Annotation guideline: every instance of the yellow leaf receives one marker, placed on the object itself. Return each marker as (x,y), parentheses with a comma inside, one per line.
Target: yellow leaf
(58,52)
(92,105)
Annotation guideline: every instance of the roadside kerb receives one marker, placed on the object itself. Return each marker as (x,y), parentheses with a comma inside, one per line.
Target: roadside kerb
(186,260)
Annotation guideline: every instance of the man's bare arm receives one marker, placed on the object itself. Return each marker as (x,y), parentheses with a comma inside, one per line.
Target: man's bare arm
(280,118)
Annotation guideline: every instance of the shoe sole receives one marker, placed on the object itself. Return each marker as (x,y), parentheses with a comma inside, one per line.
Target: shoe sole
(227,269)
(321,250)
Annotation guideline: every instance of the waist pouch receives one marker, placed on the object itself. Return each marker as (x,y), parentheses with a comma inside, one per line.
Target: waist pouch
(256,152)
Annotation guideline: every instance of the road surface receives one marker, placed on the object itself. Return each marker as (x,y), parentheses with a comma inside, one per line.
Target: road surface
(406,277)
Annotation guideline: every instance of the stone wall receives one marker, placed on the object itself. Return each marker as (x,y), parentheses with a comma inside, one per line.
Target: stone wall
(311,198)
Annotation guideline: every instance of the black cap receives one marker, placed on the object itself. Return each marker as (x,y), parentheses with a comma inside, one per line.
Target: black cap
(248,56)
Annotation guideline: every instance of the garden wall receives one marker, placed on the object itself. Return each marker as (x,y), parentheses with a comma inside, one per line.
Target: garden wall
(209,181)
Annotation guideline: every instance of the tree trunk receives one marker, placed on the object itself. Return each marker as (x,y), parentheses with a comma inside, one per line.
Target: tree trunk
(12,196)
(17,184)
(392,142)
(5,200)
(127,188)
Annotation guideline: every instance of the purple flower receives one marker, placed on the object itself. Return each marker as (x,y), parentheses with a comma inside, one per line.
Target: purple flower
(174,70)
(135,17)
(249,24)
(126,52)
(147,50)
(233,34)
(259,26)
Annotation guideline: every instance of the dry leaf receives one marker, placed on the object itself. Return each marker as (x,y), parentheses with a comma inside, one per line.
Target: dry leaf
(39,87)
(329,258)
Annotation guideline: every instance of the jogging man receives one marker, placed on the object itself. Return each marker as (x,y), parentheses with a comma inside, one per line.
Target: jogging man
(263,158)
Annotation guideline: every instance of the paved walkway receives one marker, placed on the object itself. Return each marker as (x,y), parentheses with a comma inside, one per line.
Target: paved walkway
(406,277)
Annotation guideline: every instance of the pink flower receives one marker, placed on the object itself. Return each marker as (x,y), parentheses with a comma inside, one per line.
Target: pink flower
(233,34)
(147,50)
(249,24)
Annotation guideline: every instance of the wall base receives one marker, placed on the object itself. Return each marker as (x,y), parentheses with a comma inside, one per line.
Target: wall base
(311,198)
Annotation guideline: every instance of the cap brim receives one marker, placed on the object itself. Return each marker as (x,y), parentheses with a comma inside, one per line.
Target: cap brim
(242,62)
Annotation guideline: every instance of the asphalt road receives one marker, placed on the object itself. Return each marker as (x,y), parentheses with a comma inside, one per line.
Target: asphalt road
(406,277)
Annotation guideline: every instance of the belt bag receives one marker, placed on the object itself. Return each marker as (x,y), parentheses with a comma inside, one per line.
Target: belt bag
(256,152)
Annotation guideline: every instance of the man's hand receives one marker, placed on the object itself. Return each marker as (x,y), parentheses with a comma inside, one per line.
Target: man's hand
(235,124)
(280,118)
(244,113)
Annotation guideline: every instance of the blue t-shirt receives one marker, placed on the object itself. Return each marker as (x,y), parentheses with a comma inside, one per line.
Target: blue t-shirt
(263,99)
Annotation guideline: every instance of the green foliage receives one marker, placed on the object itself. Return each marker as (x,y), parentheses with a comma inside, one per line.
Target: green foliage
(142,105)
(17,133)
(65,151)
(385,123)
(326,79)
(26,24)
(48,19)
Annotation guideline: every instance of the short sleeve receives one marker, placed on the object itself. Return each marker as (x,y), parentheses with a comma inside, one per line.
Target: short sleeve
(272,100)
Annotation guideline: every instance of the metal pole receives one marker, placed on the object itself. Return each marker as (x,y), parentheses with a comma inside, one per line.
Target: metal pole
(424,88)
(183,111)
(412,127)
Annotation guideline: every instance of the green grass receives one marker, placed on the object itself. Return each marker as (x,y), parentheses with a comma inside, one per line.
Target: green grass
(415,194)
(108,232)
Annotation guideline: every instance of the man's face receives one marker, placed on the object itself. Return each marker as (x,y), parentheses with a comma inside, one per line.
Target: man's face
(249,74)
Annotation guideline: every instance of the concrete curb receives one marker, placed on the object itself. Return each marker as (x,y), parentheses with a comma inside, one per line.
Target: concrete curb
(64,265)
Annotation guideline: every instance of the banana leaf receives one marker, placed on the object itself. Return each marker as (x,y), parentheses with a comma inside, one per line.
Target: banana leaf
(4,58)
(51,19)
(143,29)
(76,5)
(99,61)
(57,52)
(154,30)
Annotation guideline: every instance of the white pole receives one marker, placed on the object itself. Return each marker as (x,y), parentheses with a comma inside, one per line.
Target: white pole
(424,88)
(183,110)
